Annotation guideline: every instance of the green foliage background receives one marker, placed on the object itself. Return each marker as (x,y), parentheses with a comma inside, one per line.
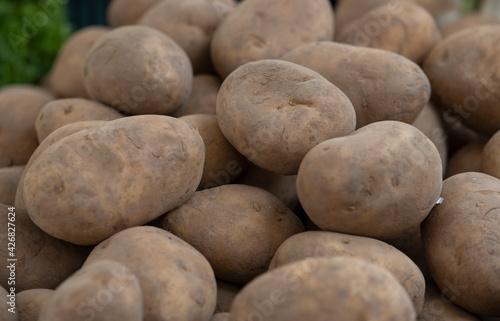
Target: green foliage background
(24,59)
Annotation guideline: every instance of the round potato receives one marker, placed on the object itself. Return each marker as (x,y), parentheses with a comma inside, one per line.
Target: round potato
(317,289)
(318,244)
(237,228)
(273,112)
(138,70)
(380,182)
(490,157)
(103,291)
(127,12)
(177,282)
(6,313)
(468,21)
(60,112)
(225,295)
(403,95)
(126,172)
(467,159)
(461,239)
(9,180)
(30,303)
(203,98)
(262,29)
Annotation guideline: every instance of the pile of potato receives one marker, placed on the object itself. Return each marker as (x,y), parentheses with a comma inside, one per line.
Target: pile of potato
(264,160)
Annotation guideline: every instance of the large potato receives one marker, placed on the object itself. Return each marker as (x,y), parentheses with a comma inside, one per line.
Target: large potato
(126,172)
(262,29)
(461,239)
(490,157)
(467,82)
(138,70)
(467,159)
(103,291)
(380,182)
(127,12)
(273,112)
(9,180)
(237,228)
(177,282)
(203,98)
(318,244)
(393,88)
(30,303)
(340,288)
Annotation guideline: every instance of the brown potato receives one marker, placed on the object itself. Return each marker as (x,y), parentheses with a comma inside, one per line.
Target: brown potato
(259,29)
(350,10)
(19,107)
(316,289)
(9,180)
(380,182)
(61,112)
(221,317)
(404,94)
(66,77)
(490,157)
(467,159)
(461,242)
(122,173)
(30,303)
(127,12)
(329,244)
(8,312)
(224,7)
(177,282)
(203,98)
(225,295)
(138,70)
(103,291)
(468,21)
(273,112)
(465,82)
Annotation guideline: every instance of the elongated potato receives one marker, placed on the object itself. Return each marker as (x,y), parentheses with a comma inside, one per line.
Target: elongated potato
(9,181)
(30,303)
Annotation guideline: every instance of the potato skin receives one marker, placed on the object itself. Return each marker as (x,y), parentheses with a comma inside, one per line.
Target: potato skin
(471,92)
(320,244)
(404,94)
(461,242)
(127,12)
(237,228)
(298,291)
(467,159)
(260,29)
(138,70)
(9,180)
(123,173)
(381,181)
(102,291)
(273,112)
(30,303)
(348,11)
(177,282)
(203,98)
(490,160)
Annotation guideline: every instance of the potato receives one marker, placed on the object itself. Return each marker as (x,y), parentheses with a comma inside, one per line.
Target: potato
(260,29)
(42,261)
(105,290)
(225,295)
(380,182)
(123,173)
(404,92)
(19,106)
(317,289)
(60,112)
(350,10)
(9,179)
(5,313)
(438,308)
(190,23)
(203,99)
(127,12)
(466,82)
(490,157)
(236,227)
(329,244)
(461,242)
(138,70)
(468,21)
(221,317)
(401,27)
(53,137)
(273,112)
(223,163)
(467,159)
(66,77)
(30,303)
(177,282)
(224,7)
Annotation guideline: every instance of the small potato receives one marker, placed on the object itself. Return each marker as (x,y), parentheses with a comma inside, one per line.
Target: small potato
(122,173)
(203,98)
(403,95)
(9,180)
(237,228)
(469,21)
(490,157)
(61,112)
(225,295)
(66,77)
(127,12)
(262,29)
(138,70)
(223,163)
(19,107)
(177,282)
(273,112)
(6,313)
(467,159)
(461,239)
(316,289)
(226,316)
(381,181)
(30,303)
(103,291)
